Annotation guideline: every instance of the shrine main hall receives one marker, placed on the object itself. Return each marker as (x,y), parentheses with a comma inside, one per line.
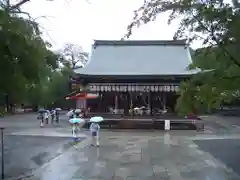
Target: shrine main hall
(133,77)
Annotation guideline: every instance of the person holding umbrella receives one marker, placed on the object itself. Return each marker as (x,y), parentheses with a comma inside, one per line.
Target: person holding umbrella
(46,116)
(43,116)
(53,114)
(95,128)
(76,124)
(41,113)
(78,113)
(57,114)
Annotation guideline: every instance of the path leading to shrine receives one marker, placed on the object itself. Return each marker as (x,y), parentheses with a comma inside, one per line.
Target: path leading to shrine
(127,155)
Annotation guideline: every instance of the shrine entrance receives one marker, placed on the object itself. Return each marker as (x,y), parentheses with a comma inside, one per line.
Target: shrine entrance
(132,100)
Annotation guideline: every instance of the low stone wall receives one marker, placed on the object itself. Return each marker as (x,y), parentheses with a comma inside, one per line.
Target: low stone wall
(186,124)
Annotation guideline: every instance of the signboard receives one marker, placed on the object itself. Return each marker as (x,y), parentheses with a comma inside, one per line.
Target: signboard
(167,125)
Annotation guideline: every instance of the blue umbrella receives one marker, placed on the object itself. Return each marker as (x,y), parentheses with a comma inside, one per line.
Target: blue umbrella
(76,121)
(96,119)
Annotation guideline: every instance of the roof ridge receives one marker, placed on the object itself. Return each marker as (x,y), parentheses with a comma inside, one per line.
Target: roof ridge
(139,42)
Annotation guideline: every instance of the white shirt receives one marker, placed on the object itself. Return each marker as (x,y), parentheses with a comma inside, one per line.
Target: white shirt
(94,127)
(45,115)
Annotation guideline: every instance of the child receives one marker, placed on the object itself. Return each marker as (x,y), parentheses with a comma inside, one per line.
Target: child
(94,128)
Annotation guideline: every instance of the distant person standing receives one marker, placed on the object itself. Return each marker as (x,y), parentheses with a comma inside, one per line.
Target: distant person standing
(57,115)
(53,114)
(41,117)
(95,128)
(46,116)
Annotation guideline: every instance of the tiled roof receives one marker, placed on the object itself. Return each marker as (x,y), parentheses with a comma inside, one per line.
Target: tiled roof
(138,58)
(138,43)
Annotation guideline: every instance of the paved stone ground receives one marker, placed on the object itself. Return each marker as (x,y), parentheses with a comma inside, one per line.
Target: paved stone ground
(166,157)
(32,146)
(222,124)
(134,155)
(143,155)
(25,153)
(226,150)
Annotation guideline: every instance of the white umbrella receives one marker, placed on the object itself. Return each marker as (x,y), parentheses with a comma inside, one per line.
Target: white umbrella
(42,110)
(70,113)
(78,111)
(96,119)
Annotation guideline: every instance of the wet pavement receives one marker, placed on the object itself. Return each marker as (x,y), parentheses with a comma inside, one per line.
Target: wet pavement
(226,150)
(223,124)
(32,146)
(25,153)
(127,155)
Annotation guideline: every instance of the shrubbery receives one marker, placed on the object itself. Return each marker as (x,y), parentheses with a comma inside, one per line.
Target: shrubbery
(2,111)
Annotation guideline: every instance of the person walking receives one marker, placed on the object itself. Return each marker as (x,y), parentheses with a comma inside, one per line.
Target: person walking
(41,118)
(57,116)
(94,128)
(46,116)
(75,130)
(53,114)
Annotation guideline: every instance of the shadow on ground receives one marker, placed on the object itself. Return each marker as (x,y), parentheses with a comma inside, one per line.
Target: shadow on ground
(26,153)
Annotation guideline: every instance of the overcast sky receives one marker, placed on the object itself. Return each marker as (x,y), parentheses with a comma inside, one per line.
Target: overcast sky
(80,22)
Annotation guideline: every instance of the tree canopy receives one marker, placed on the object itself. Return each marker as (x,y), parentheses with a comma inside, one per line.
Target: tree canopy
(215,23)
(29,70)
(24,54)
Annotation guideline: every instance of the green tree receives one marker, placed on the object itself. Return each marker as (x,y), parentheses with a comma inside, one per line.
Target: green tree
(52,89)
(216,24)
(25,58)
(30,72)
(59,87)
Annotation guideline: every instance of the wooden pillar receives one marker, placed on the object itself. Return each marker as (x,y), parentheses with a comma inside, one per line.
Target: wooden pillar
(85,104)
(104,102)
(150,102)
(116,102)
(100,102)
(131,104)
(164,101)
(126,103)
(78,103)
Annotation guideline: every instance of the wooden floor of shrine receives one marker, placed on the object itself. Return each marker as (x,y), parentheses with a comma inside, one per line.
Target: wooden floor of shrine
(148,122)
